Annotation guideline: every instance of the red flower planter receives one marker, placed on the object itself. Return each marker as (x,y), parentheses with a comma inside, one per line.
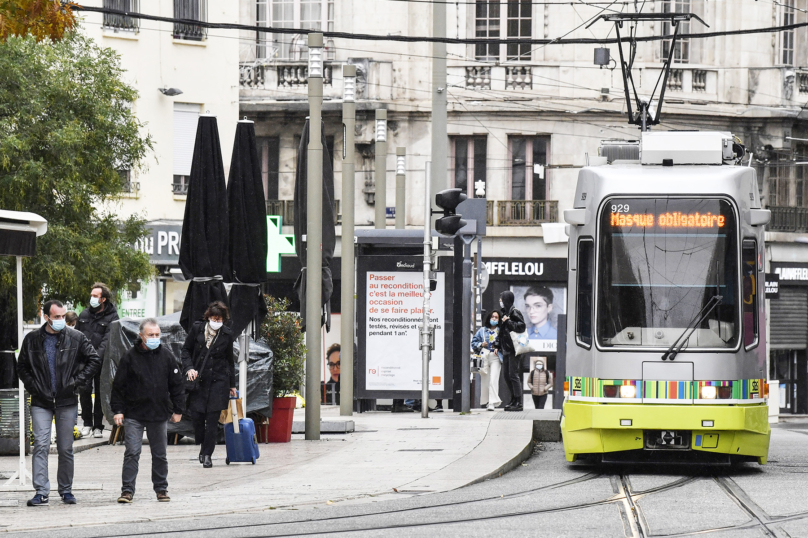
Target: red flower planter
(279,428)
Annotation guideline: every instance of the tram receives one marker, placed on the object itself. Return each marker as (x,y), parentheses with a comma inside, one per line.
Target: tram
(666,339)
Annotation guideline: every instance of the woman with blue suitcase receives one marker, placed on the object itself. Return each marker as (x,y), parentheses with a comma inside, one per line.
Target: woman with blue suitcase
(207,360)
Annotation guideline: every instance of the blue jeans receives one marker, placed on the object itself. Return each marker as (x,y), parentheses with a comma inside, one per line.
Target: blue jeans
(41,421)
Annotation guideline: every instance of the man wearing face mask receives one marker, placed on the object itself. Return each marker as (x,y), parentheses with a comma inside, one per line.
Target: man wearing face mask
(54,362)
(95,323)
(147,391)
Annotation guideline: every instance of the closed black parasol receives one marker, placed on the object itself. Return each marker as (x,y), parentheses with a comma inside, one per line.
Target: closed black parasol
(327,219)
(248,230)
(203,251)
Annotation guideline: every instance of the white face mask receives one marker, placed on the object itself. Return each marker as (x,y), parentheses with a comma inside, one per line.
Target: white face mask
(502,305)
(215,325)
(95,302)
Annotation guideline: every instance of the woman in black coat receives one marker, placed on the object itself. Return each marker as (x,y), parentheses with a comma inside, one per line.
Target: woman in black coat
(217,380)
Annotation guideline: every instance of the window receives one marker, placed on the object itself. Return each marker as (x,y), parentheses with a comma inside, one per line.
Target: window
(194,10)
(468,169)
(786,56)
(529,167)
(681,52)
(801,176)
(586,277)
(122,22)
(269,155)
(186,117)
(663,264)
(750,285)
(517,19)
(307,14)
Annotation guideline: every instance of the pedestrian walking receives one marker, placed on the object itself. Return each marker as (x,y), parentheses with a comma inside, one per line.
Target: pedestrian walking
(486,343)
(539,381)
(54,362)
(147,391)
(512,321)
(95,322)
(207,359)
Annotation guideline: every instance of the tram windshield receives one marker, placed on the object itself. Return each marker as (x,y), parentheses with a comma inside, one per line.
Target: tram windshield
(661,261)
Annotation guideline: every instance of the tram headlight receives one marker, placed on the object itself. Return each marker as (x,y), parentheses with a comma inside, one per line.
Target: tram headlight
(709,392)
(628,391)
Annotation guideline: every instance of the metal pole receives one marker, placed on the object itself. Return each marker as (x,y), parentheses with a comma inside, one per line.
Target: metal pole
(243,355)
(314,239)
(23,425)
(440,138)
(426,329)
(381,169)
(348,272)
(401,201)
(465,365)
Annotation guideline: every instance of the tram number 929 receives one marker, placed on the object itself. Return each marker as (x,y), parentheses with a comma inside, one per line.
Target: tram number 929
(620,208)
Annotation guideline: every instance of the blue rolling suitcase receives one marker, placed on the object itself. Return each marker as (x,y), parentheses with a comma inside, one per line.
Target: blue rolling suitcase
(239,437)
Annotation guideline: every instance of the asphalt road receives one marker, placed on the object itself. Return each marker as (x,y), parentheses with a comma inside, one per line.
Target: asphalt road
(548,497)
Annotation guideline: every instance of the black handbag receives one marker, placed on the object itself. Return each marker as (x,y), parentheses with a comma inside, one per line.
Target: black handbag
(193,386)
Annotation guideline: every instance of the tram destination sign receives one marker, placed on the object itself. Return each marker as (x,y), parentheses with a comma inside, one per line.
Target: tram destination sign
(772,286)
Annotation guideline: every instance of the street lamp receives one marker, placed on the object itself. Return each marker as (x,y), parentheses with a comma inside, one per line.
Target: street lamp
(401,203)
(314,237)
(381,169)
(349,85)
(348,270)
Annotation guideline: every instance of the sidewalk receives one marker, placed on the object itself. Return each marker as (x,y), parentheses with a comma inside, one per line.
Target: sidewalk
(389,455)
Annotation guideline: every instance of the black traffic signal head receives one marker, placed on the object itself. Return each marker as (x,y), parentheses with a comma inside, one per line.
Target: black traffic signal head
(448,200)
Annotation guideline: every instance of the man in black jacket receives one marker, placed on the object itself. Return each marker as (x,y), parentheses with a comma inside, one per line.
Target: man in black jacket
(54,362)
(147,390)
(512,321)
(95,322)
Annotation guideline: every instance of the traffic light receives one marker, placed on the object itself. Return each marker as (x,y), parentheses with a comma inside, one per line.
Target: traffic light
(448,200)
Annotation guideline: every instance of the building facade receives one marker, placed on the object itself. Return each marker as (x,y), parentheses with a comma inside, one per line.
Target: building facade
(523,119)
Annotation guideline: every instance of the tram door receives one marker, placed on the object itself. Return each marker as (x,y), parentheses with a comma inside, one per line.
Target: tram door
(790,367)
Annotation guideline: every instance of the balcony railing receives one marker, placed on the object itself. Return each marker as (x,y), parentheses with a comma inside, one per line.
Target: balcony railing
(518,78)
(521,212)
(117,22)
(802,81)
(675,80)
(286,210)
(699,80)
(478,77)
(192,10)
(788,219)
(180,185)
(287,75)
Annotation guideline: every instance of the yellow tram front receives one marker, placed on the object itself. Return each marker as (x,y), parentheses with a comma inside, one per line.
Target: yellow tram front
(666,349)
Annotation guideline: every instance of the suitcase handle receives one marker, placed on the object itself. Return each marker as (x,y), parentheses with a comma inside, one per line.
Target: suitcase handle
(234,411)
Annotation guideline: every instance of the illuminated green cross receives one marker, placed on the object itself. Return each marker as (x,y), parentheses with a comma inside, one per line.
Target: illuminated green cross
(277,243)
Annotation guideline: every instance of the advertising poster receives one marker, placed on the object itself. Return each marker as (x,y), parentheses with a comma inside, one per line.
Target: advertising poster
(394,314)
(540,305)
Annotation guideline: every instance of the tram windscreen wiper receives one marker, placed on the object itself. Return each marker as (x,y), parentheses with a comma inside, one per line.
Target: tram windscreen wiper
(672,351)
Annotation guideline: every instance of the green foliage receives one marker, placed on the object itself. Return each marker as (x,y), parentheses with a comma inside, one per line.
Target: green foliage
(281,332)
(66,128)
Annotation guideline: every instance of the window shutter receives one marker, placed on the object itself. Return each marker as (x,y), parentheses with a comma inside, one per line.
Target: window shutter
(186,117)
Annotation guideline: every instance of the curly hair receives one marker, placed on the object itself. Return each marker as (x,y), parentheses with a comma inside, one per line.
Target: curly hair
(217,309)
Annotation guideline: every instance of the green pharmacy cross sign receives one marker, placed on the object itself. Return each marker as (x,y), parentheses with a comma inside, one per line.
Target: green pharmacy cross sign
(277,243)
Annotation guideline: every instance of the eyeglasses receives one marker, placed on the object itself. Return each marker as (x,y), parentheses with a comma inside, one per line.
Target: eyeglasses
(333,364)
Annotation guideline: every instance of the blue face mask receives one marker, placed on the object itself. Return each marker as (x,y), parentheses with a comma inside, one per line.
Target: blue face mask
(494,322)
(57,324)
(152,343)
(95,302)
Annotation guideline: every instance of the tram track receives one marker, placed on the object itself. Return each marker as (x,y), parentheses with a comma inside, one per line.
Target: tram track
(624,498)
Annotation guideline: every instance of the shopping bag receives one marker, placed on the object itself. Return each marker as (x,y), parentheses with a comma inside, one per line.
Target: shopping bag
(521,343)
(226,416)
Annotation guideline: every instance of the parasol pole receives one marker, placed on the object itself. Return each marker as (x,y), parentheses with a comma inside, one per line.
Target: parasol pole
(314,237)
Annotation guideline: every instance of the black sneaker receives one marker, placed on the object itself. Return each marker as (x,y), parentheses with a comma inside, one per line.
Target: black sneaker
(69,498)
(38,500)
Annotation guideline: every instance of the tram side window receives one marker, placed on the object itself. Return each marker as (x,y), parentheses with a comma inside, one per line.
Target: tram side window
(583,321)
(750,300)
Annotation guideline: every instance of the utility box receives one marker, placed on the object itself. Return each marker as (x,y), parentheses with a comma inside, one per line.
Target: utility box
(686,147)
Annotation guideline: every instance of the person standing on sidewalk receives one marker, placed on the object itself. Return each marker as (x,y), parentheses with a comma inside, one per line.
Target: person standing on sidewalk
(512,321)
(208,355)
(487,338)
(54,362)
(539,382)
(95,323)
(147,391)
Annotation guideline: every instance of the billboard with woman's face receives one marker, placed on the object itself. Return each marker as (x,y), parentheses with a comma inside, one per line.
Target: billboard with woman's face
(540,305)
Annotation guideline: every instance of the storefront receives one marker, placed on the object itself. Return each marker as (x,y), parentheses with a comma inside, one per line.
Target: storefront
(788,338)
(166,293)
